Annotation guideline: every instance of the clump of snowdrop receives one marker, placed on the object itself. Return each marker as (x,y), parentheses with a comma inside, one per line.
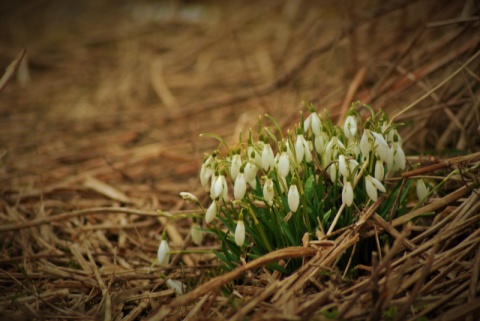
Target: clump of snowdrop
(267,192)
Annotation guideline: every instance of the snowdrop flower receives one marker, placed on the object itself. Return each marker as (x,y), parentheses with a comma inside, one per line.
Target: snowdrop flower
(283,165)
(381,146)
(268,192)
(347,193)
(313,122)
(398,155)
(365,143)
(240,186)
(300,148)
(350,127)
(197,234)
(372,185)
(189,197)
(379,170)
(235,166)
(268,158)
(342,166)
(203,175)
(220,188)
(176,285)
(422,189)
(308,151)
(319,143)
(250,172)
(240,231)
(211,212)
(162,254)
(293,196)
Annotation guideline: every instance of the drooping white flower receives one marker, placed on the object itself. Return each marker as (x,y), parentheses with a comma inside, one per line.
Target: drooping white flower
(381,146)
(319,143)
(253,183)
(162,254)
(224,194)
(177,286)
(189,197)
(250,172)
(211,212)
(342,166)
(240,232)
(300,148)
(203,175)
(379,170)
(283,165)
(316,124)
(398,156)
(365,143)
(293,198)
(268,192)
(347,193)
(422,189)
(220,188)
(235,166)
(197,234)
(240,186)
(372,185)
(268,158)
(350,127)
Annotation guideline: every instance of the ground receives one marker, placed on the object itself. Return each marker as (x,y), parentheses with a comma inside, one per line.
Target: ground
(100,124)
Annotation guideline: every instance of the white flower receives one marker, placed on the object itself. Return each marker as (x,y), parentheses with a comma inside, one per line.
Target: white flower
(398,157)
(372,185)
(283,165)
(381,146)
(253,154)
(197,234)
(332,171)
(365,143)
(300,148)
(189,197)
(268,192)
(203,175)
(211,212)
(342,166)
(220,188)
(319,143)
(240,187)
(240,232)
(347,193)
(379,170)
(162,254)
(268,158)
(250,172)
(235,166)
(422,190)
(177,286)
(350,127)
(313,121)
(293,198)
(308,151)
(253,183)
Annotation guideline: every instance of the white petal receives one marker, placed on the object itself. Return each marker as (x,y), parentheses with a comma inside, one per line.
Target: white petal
(203,175)
(235,166)
(307,122)
(371,189)
(197,234)
(240,187)
(365,146)
(378,185)
(293,198)
(162,253)
(422,190)
(250,172)
(283,165)
(189,197)
(316,125)
(268,192)
(268,159)
(240,233)
(211,212)
(379,170)
(177,286)
(342,166)
(399,157)
(299,148)
(347,193)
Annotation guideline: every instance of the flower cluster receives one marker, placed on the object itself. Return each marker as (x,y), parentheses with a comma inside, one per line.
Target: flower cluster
(273,189)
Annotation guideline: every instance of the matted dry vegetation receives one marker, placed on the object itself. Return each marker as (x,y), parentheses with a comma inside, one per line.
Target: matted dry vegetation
(100,129)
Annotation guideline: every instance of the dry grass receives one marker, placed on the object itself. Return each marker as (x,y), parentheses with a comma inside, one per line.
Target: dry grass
(100,129)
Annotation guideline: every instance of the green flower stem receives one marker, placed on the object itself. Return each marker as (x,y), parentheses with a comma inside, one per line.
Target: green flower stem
(260,229)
